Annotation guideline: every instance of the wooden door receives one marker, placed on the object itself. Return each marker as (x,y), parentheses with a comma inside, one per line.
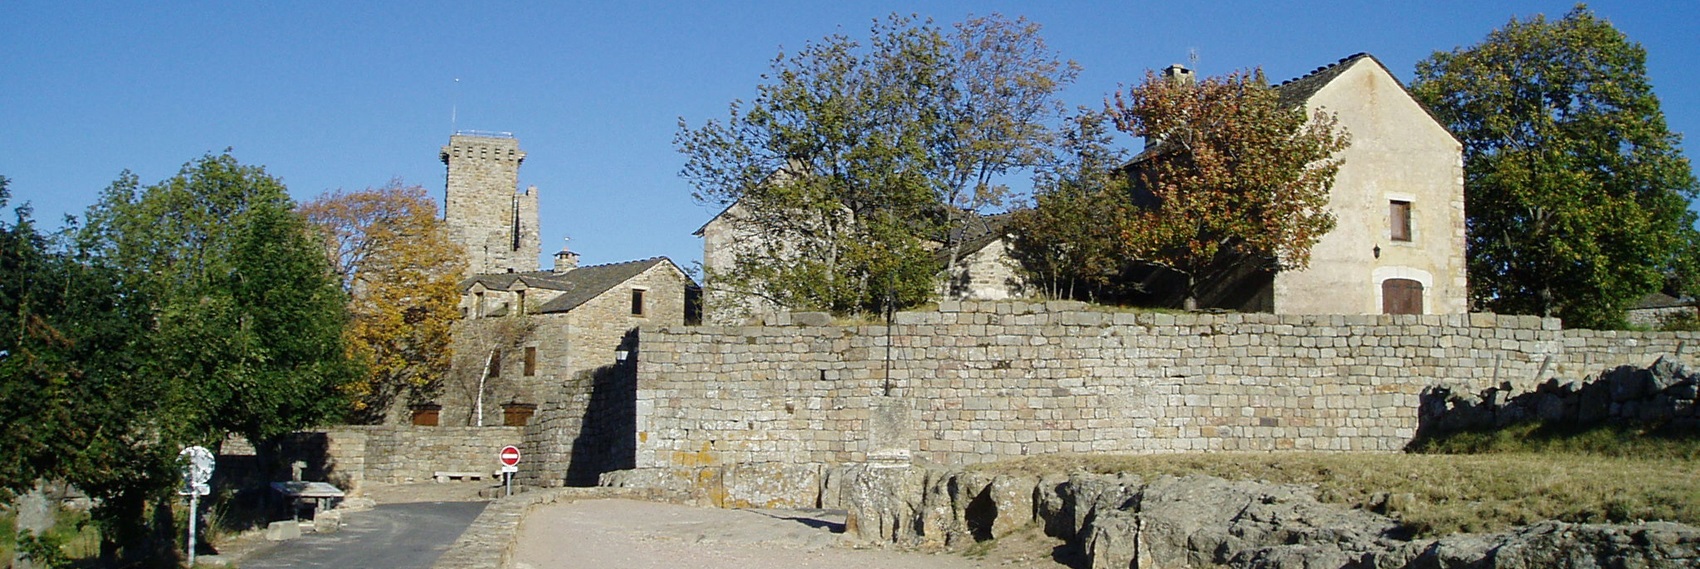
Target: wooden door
(1401,296)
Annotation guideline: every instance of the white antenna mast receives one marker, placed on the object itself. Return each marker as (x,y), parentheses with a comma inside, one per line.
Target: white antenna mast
(454,108)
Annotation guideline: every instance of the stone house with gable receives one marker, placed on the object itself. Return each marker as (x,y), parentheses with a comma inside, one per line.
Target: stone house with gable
(526,332)
(1398,201)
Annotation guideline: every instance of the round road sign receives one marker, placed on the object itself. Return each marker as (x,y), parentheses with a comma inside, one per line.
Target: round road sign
(510,455)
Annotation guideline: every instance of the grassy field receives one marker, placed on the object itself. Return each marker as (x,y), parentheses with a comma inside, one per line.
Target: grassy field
(1477,482)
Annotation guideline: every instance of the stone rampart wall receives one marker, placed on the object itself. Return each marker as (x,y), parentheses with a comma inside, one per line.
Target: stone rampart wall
(988,381)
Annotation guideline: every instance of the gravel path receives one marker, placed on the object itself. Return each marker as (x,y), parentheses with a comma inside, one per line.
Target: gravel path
(641,535)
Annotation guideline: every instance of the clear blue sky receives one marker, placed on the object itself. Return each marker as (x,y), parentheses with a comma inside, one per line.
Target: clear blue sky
(353,94)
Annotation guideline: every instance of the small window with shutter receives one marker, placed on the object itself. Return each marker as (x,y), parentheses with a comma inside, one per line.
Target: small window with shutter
(530,361)
(1399,217)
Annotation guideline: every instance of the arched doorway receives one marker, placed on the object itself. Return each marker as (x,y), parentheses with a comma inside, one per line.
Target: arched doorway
(1401,296)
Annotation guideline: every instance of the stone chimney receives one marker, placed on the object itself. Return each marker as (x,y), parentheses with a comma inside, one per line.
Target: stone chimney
(1178,74)
(565,260)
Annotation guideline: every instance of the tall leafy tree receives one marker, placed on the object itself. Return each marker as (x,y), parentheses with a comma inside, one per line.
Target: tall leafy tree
(1577,192)
(72,400)
(1233,177)
(247,318)
(396,263)
(856,161)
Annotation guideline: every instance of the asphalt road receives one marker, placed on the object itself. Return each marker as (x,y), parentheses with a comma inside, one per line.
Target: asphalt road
(398,536)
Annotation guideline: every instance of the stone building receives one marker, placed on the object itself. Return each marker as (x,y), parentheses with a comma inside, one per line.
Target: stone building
(527,334)
(1398,202)
(726,236)
(485,214)
(985,269)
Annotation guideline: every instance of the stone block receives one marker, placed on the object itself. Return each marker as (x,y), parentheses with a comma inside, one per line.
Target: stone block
(284,530)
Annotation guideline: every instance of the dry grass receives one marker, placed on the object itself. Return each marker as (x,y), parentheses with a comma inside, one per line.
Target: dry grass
(1435,494)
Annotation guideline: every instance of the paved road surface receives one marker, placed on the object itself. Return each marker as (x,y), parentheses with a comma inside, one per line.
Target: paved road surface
(388,536)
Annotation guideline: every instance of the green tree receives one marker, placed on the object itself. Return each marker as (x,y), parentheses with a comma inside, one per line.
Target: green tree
(855,163)
(72,400)
(1068,243)
(402,274)
(248,318)
(1577,191)
(1234,177)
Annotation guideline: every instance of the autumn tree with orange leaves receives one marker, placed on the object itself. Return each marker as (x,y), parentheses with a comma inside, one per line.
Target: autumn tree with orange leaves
(1231,176)
(394,258)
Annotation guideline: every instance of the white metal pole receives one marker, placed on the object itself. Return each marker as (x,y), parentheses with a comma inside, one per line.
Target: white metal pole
(194,511)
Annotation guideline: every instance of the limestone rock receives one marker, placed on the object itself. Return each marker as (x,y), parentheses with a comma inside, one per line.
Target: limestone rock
(884,503)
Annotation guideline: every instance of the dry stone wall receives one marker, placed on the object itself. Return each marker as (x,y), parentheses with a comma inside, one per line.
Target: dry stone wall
(988,381)
(347,456)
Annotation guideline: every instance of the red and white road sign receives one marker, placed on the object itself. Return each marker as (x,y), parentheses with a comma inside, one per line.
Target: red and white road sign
(510,456)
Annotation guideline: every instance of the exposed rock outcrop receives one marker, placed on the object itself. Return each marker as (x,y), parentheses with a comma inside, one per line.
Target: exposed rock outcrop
(1124,521)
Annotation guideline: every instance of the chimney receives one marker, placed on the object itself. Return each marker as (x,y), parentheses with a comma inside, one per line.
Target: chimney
(1178,74)
(565,260)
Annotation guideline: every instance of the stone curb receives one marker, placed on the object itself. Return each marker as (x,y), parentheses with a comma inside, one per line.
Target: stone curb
(490,541)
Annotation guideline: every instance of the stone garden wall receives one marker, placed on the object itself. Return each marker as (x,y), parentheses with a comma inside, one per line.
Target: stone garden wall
(989,381)
(346,456)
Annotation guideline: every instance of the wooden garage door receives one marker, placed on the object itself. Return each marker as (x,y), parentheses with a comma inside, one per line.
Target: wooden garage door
(1401,296)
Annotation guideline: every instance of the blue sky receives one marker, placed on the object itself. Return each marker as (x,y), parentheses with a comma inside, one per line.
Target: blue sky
(353,94)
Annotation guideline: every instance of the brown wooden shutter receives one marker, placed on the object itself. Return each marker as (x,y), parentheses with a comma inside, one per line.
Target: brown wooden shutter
(1399,216)
(530,361)
(1401,296)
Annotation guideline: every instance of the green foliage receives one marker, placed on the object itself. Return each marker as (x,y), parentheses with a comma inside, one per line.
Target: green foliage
(1233,177)
(1685,321)
(1067,243)
(211,311)
(855,162)
(1577,191)
(248,319)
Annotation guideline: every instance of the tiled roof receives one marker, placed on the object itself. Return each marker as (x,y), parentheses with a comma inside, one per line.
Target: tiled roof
(979,233)
(1295,92)
(578,285)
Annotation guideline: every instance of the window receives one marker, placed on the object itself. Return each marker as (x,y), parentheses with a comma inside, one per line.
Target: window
(521,296)
(1399,218)
(637,302)
(496,363)
(530,361)
(1401,296)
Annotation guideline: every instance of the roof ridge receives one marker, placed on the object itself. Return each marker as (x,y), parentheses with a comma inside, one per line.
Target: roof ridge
(1318,70)
(615,263)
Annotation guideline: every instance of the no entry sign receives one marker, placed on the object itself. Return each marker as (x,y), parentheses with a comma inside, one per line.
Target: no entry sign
(510,456)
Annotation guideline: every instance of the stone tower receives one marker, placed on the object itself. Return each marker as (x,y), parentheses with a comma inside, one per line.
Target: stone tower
(485,214)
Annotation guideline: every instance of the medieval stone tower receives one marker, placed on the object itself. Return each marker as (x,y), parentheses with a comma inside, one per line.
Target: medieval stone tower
(485,214)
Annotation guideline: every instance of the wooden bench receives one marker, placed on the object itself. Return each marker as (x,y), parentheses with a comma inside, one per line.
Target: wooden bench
(443,476)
